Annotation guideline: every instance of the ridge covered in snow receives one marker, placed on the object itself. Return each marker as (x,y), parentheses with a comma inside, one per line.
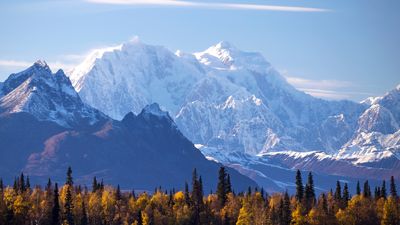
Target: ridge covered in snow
(47,96)
(235,101)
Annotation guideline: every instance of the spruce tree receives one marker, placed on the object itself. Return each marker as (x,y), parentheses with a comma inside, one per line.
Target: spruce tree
(68,205)
(324,203)
(94,185)
(309,192)
(393,190)
(21,183)
(15,185)
(366,190)
(222,187)
(338,194)
(358,189)
(228,184)
(249,191)
(346,195)
(55,219)
(197,198)
(377,192)
(69,180)
(187,195)
(48,185)
(299,187)
(383,190)
(28,183)
(118,193)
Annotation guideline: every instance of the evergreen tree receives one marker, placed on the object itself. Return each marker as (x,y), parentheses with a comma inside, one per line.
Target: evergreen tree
(346,195)
(383,190)
(55,220)
(101,186)
(15,185)
(197,198)
(201,191)
(95,185)
(324,203)
(377,192)
(21,183)
(48,185)
(28,183)
(367,190)
(262,192)
(222,187)
(68,205)
(393,190)
(249,191)
(118,193)
(309,192)
(1,185)
(299,187)
(228,184)
(187,195)
(358,189)
(69,180)
(338,193)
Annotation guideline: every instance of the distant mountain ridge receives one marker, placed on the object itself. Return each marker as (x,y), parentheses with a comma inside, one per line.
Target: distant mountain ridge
(45,127)
(233,102)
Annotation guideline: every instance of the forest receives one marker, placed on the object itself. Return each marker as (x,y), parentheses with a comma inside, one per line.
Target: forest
(69,204)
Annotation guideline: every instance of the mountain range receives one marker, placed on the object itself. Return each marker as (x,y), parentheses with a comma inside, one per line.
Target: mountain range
(45,127)
(240,111)
(131,114)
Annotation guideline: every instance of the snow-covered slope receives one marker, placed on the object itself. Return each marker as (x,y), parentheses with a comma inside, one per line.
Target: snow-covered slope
(128,77)
(237,104)
(46,96)
(222,97)
(378,131)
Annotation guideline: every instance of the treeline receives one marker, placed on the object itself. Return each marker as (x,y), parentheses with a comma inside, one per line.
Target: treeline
(71,204)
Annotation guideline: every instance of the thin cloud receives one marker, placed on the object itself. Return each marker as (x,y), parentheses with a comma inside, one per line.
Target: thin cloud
(54,65)
(327,89)
(14,63)
(322,84)
(216,5)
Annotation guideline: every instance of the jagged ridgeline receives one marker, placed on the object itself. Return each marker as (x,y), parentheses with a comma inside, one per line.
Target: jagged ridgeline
(69,203)
(241,111)
(45,127)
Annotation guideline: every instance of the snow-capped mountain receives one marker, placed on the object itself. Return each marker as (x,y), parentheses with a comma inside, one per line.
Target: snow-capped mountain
(47,96)
(378,131)
(241,111)
(128,77)
(221,97)
(45,127)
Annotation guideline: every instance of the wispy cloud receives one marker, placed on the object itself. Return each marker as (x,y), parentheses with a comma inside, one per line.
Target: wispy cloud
(14,63)
(327,89)
(18,64)
(215,5)
(321,84)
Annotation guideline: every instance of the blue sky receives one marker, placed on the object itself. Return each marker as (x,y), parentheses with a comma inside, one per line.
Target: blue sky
(342,49)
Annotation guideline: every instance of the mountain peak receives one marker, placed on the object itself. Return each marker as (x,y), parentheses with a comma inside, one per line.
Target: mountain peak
(154,109)
(47,96)
(225,45)
(41,65)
